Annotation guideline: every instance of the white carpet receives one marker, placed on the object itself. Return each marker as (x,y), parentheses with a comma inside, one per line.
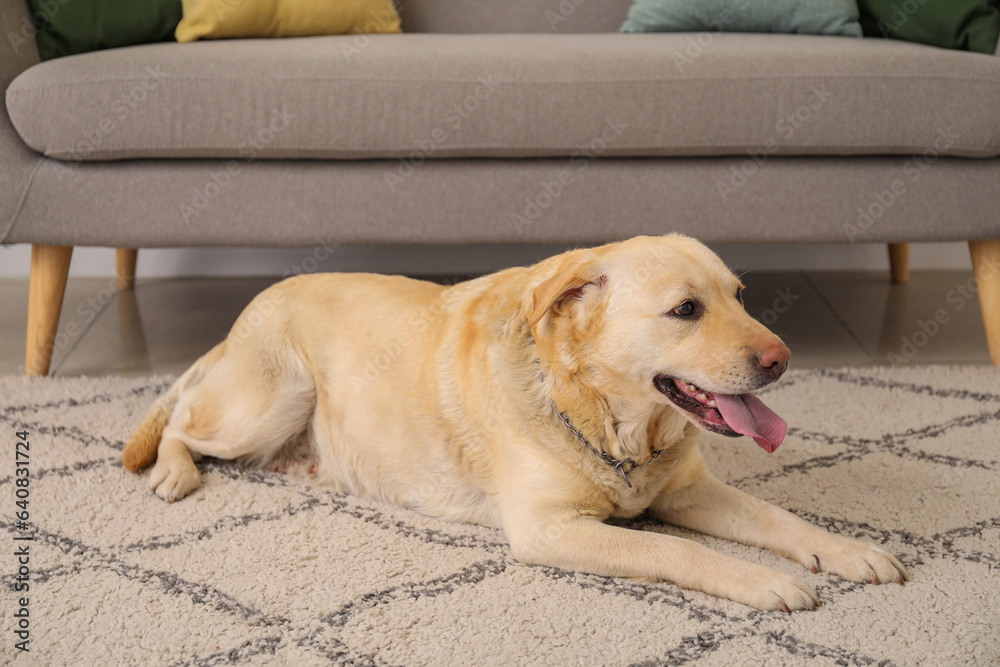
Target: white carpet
(266,569)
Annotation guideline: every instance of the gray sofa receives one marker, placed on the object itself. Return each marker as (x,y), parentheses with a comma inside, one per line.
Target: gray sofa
(495,122)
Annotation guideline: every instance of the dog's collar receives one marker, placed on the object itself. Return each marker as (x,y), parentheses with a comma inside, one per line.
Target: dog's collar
(623,466)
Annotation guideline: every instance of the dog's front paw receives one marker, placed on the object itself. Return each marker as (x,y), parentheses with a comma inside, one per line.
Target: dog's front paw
(172,480)
(769,590)
(859,561)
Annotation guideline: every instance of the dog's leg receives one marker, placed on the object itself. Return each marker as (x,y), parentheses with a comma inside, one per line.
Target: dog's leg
(711,507)
(586,544)
(248,405)
(175,475)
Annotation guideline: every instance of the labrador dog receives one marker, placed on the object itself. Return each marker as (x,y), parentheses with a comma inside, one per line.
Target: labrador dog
(539,400)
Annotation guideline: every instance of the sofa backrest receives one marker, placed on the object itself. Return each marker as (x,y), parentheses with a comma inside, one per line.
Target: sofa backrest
(491,16)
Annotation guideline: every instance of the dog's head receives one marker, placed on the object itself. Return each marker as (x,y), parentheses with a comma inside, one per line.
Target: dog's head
(660,319)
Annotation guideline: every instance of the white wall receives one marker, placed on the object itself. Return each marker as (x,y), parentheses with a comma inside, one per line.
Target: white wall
(190,262)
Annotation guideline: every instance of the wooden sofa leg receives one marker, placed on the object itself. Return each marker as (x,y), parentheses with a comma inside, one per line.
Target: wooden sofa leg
(899,262)
(986,264)
(125,259)
(49,269)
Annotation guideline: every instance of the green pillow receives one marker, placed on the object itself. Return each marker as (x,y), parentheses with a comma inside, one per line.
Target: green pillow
(970,25)
(815,17)
(77,26)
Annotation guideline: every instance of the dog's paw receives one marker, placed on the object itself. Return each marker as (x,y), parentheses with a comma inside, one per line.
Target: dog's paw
(770,590)
(172,480)
(859,561)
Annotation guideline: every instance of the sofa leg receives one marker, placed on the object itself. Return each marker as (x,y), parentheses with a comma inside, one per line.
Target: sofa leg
(49,269)
(986,265)
(899,262)
(125,259)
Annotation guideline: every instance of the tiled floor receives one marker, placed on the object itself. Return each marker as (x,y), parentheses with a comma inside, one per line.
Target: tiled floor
(829,319)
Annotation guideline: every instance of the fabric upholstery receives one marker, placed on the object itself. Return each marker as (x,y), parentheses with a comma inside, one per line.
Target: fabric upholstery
(513,16)
(18,52)
(749,198)
(166,203)
(441,96)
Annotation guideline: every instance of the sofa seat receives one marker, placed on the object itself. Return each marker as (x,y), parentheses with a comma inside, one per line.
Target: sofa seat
(422,96)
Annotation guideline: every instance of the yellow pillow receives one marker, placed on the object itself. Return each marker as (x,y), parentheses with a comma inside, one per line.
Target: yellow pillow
(219,19)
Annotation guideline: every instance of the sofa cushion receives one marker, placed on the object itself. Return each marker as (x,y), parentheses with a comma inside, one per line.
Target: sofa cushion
(972,25)
(437,96)
(806,17)
(67,28)
(203,19)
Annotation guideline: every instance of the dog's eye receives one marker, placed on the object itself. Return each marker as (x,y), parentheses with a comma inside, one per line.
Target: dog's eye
(739,295)
(686,309)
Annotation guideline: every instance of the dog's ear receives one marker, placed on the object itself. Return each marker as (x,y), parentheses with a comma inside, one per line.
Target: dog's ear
(574,281)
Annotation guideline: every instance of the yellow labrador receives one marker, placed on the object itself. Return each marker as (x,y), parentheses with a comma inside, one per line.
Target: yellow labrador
(539,400)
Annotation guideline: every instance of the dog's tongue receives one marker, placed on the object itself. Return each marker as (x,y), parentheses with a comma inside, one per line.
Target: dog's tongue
(747,414)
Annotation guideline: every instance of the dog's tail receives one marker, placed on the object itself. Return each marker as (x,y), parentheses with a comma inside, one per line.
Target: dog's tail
(140,452)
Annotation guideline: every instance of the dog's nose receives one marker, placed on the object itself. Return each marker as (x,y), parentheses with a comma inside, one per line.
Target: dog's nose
(774,360)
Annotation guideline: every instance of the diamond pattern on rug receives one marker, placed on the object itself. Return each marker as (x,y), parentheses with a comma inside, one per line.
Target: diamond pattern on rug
(265,568)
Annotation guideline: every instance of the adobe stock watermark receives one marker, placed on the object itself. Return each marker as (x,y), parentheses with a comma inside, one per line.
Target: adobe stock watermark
(87,311)
(223,7)
(956,298)
(249,149)
(382,19)
(784,129)
(549,192)
(120,108)
(436,484)
(913,170)
(44,12)
(698,43)
(407,332)
(411,328)
(783,301)
(452,120)
(899,16)
(267,302)
(565,9)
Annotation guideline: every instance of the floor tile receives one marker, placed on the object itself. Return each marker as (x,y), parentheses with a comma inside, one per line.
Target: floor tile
(789,305)
(933,319)
(83,302)
(161,327)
